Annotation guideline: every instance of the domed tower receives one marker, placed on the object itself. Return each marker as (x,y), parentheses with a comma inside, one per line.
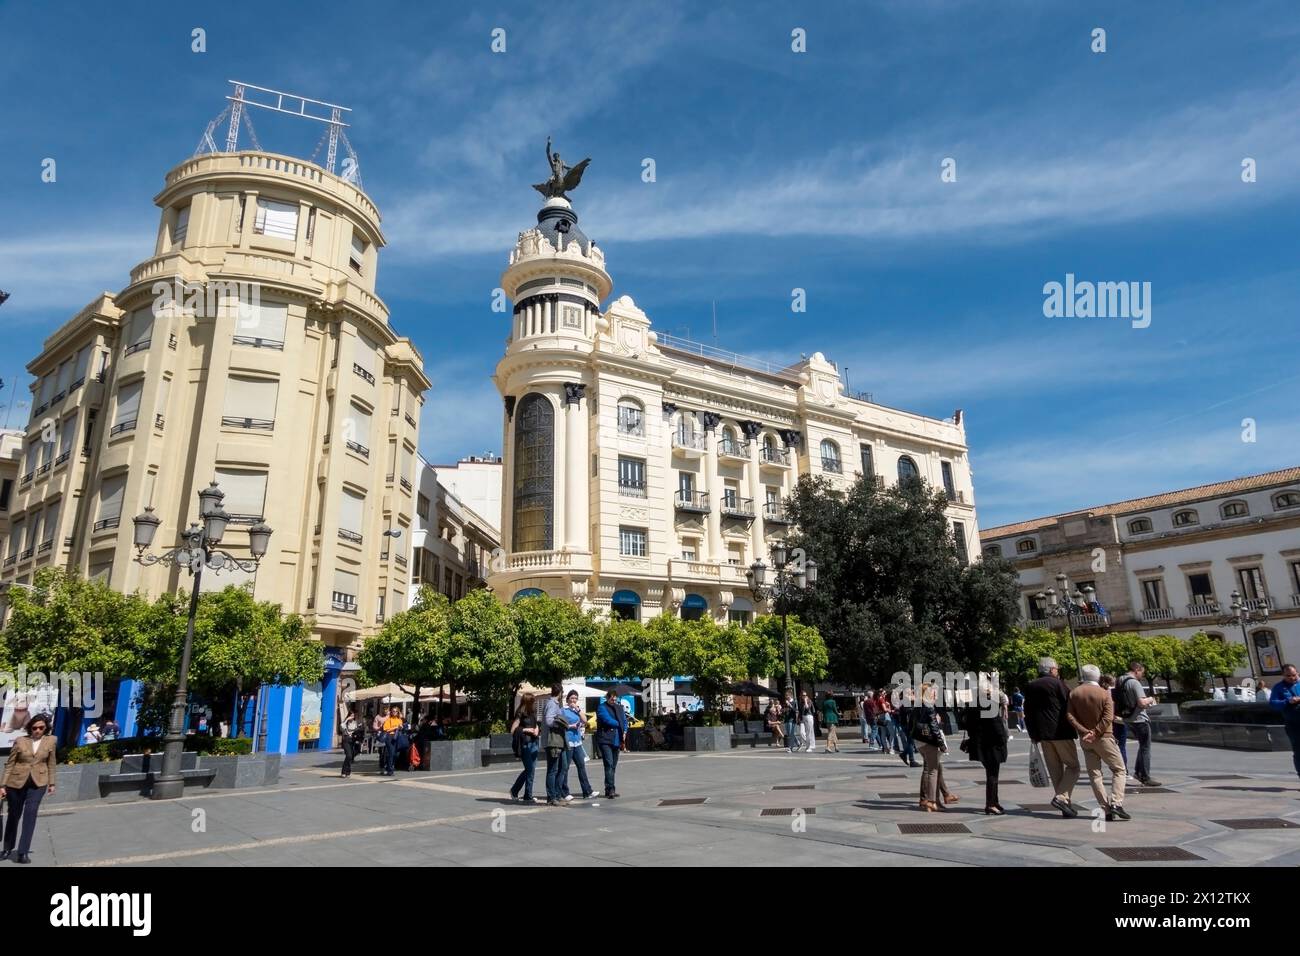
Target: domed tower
(556,281)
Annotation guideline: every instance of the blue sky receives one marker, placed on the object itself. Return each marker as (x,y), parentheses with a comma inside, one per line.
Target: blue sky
(775,170)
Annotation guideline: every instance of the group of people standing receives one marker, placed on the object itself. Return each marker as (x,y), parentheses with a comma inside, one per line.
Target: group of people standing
(560,728)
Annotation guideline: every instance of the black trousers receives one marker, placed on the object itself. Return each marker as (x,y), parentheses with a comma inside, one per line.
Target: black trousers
(24,803)
(349,754)
(991,768)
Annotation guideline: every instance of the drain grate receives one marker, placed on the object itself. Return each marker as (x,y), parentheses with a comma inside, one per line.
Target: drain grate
(1258,823)
(896,795)
(1006,783)
(1152,790)
(1040,808)
(682,802)
(1149,854)
(1219,776)
(888,776)
(926,828)
(785,811)
(797,786)
(1256,789)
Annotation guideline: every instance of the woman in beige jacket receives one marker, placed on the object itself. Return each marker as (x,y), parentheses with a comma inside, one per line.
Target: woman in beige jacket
(29,775)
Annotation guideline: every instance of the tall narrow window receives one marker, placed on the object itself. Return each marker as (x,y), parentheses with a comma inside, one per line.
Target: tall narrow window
(830,456)
(351,516)
(128,407)
(950,489)
(67,435)
(141,334)
(1251,581)
(182,227)
(344,596)
(907,473)
(1153,594)
(64,378)
(250,403)
(111,492)
(245,492)
(631,477)
(364,359)
(356,430)
(959,539)
(261,325)
(534,474)
(276,219)
(357,257)
(868,462)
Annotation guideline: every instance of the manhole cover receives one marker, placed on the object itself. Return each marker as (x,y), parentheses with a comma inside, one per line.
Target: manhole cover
(1258,823)
(797,786)
(1152,790)
(682,802)
(1219,776)
(1148,854)
(923,828)
(785,811)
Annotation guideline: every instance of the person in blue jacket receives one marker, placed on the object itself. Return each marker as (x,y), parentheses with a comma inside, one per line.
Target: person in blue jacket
(1286,698)
(611,737)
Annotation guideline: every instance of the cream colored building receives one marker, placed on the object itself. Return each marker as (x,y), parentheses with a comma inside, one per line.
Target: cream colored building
(644,474)
(300,400)
(452,545)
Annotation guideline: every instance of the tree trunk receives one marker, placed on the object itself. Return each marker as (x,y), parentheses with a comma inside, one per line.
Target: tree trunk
(237,722)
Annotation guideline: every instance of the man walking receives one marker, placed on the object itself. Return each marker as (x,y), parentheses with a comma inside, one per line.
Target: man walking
(555,730)
(831,721)
(871,708)
(1046,702)
(611,736)
(1286,699)
(1136,703)
(1091,712)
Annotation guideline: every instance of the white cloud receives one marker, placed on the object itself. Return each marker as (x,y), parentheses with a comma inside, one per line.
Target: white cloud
(63,272)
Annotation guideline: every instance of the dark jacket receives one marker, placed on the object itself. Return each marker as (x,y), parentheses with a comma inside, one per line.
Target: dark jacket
(986,736)
(1046,700)
(611,724)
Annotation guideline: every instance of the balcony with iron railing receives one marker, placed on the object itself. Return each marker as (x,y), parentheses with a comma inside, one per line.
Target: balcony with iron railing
(44,469)
(774,512)
(405,483)
(692,502)
(159,421)
(346,603)
(1203,608)
(631,425)
(249,519)
(257,342)
(832,465)
(410,420)
(255,424)
(734,450)
(631,488)
(1258,604)
(28,477)
(171,341)
(45,546)
(1082,620)
(121,427)
(776,457)
(359,448)
(734,507)
(364,373)
(26,554)
(400,559)
(350,536)
(77,384)
(688,443)
(137,347)
(62,458)
(105,523)
(11,560)
(1151,615)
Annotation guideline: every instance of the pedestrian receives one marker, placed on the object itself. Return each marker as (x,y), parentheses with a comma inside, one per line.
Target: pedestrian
(611,737)
(555,730)
(1117,728)
(775,725)
(1091,712)
(93,734)
(862,714)
(1047,700)
(927,731)
(29,775)
(871,710)
(1135,703)
(111,730)
(575,753)
(903,720)
(348,728)
(986,742)
(1285,699)
(524,739)
(388,728)
(885,728)
(790,712)
(1018,708)
(831,721)
(809,723)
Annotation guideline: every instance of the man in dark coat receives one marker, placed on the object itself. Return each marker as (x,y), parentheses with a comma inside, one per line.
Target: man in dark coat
(1047,700)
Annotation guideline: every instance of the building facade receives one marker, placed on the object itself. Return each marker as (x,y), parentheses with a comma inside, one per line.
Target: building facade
(1169,563)
(249,349)
(452,546)
(643,474)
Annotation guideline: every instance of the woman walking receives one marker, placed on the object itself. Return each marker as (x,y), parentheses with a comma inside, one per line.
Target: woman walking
(29,775)
(525,731)
(348,728)
(986,741)
(904,716)
(927,731)
(809,724)
(388,740)
(575,752)
(885,722)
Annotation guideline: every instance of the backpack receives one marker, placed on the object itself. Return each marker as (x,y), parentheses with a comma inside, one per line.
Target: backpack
(1123,707)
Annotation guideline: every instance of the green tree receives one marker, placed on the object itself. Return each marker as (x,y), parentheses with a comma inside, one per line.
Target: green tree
(1203,656)
(413,649)
(557,639)
(891,591)
(1016,659)
(765,653)
(626,648)
(712,655)
(485,656)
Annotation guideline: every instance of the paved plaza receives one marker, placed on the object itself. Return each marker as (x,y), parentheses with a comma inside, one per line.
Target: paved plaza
(743,808)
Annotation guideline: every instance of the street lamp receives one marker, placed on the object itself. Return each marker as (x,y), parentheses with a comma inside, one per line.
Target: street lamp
(1243,616)
(1052,605)
(783,586)
(197,551)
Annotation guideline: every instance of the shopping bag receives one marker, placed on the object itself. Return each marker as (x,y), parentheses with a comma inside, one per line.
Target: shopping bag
(1038,775)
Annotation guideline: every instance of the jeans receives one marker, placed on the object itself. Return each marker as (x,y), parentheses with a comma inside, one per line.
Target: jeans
(349,754)
(906,745)
(1141,732)
(555,761)
(388,756)
(885,731)
(791,741)
(575,756)
(862,723)
(1293,734)
(1020,721)
(1120,730)
(528,754)
(24,802)
(609,756)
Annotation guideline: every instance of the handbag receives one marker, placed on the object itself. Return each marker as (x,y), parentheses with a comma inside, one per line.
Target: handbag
(415,756)
(1038,775)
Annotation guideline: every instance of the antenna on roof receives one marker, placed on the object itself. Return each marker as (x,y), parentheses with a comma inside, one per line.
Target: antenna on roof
(291,104)
(715,323)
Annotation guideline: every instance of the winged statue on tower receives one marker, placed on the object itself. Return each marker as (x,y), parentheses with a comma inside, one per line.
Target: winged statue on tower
(563,178)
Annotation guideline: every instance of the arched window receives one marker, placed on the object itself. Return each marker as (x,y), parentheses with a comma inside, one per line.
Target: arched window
(631,417)
(728,444)
(1265,643)
(1184,518)
(1139,526)
(526,593)
(693,607)
(831,457)
(625,606)
(534,476)
(993,551)
(1286,499)
(907,471)
(1235,509)
(1026,546)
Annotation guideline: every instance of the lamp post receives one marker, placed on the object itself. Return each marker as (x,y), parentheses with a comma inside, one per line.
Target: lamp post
(1243,616)
(786,583)
(1050,600)
(197,551)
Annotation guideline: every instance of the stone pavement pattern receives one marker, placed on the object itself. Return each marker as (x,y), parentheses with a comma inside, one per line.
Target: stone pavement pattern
(852,808)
